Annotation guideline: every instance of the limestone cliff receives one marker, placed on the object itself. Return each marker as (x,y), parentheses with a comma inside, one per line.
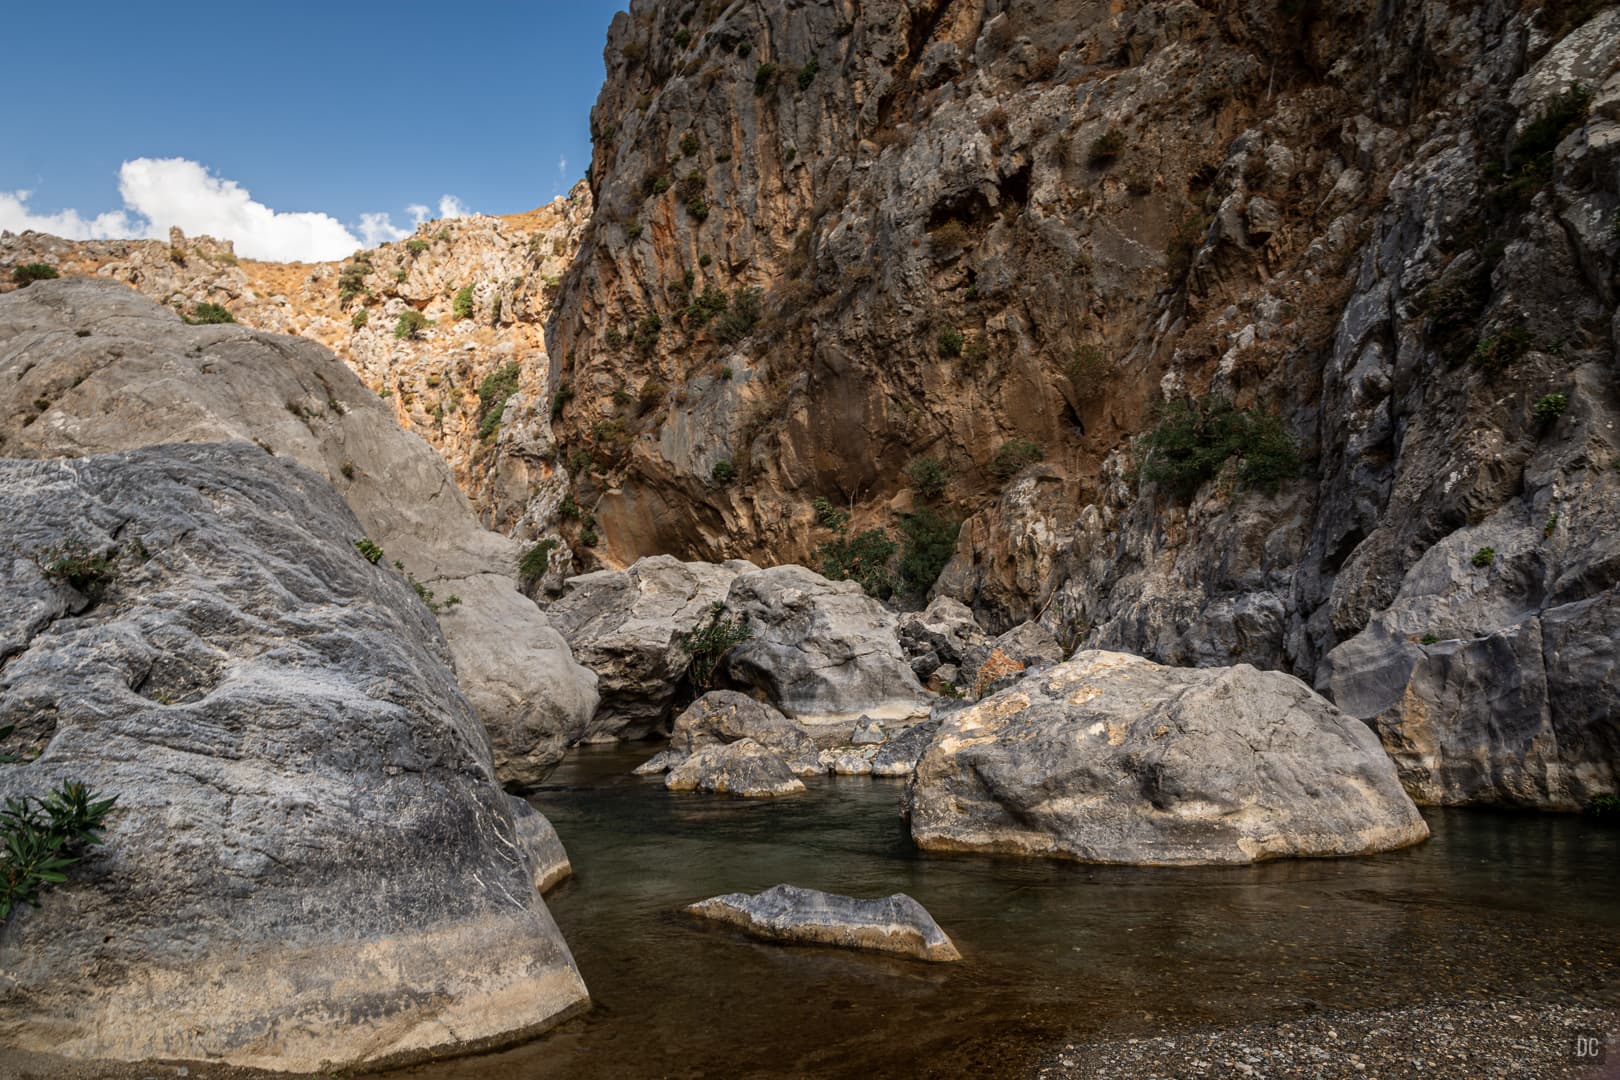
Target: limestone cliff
(1242,332)
(447,379)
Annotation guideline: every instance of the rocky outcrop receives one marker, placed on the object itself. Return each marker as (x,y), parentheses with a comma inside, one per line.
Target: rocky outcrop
(310,865)
(92,366)
(942,635)
(450,381)
(787,913)
(1019,241)
(625,626)
(725,716)
(1110,758)
(821,651)
(743,768)
(899,754)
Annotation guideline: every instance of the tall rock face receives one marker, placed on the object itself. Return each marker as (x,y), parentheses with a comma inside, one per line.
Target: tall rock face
(310,865)
(1241,331)
(450,380)
(91,366)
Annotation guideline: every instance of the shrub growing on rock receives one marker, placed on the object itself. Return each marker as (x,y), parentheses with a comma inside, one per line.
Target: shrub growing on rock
(1550,407)
(462,305)
(416,245)
(368,549)
(360,319)
(949,342)
(929,476)
(40,838)
(742,314)
(1013,457)
(493,391)
(1484,557)
(208,314)
(411,324)
(708,643)
(1194,440)
(863,559)
(1107,147)
(930,541)
(28,273)
(1087,372)
(536,561)
(76,566)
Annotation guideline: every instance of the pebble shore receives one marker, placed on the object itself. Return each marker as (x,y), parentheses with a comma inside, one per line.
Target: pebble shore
(1489,1040)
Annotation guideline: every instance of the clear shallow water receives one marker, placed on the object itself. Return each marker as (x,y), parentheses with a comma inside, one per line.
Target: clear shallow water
(1494,904)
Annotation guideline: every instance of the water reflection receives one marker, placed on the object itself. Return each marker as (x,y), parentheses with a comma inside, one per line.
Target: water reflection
(1494,904)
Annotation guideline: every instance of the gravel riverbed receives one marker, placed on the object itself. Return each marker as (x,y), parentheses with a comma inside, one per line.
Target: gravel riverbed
(1477,1040)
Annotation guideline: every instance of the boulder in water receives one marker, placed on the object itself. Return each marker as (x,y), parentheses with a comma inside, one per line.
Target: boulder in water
(892,924)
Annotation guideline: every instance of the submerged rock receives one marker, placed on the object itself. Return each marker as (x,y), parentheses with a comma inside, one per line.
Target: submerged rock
(92,366)
(310,865)
(623,625)
(743,768)
(893,924)
(1111,758)
(822,651)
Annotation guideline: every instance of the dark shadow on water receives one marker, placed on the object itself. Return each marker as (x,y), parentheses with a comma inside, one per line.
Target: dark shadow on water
(1494,904)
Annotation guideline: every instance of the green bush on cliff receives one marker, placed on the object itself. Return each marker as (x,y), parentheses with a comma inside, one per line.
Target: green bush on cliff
(411,324)
(462,305)
(28,273)
(863,559)
(949,342)
(723,472)
(708,643)
(1013,457)
(742,314)
(207,314)
(929,477)
(1195,438)
(930,540)
(493,392)
(764,78)
(41,838)
(536,561)
(807,74)
(1550,407)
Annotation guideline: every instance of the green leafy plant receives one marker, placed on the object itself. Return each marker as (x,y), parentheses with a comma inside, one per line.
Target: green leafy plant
(764,78)
(1013,457)
(929,476)
(863,559)
(425,594)
(368,550)
(28,273)
(1087,372)
(1194,440)
(1484,557)
(647,331)
(828,516)
(689,146)
(707,643)
(949,342)
(723,472)
(493,392)
(537,560)
(1430,639)
(361,317)
(208,314)
(1604,806)
(416,245)
(73,564)
(41,838)
(1549,407)
(560,399)
(411,324)
(1500,350)
(807,74)
(462,305)
(742,314)
(930,539)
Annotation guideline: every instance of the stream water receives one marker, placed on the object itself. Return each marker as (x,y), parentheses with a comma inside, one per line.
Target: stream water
(1494,904)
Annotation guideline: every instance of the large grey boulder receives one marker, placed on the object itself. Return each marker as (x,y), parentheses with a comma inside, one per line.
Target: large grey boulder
(726,716)
(1110,758)
(140,376)
(822,651)
(743,768)
(892,924)
(311,865)
(541,847)
(623,625)
(900,754)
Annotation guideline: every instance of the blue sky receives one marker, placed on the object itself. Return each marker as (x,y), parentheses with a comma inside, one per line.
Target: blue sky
(340,109)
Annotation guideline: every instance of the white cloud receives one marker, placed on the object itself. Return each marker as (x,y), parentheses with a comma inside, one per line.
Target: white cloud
(379,229)
(562,166)
(162,192)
